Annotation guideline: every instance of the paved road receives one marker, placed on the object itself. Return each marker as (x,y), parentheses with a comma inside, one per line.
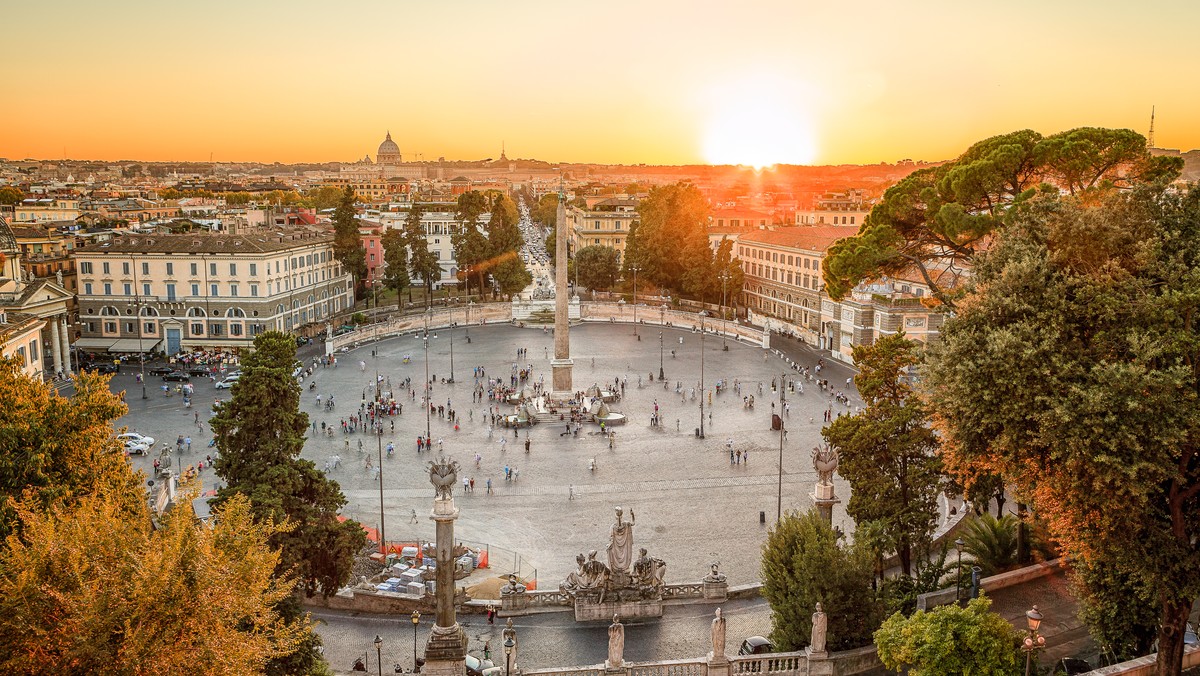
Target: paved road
(547,640)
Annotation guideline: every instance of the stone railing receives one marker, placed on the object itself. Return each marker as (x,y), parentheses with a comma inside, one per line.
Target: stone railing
(654,316)
(683,591)
(565,671)
(440,318)
(773,663)
(668,668)
(522,601)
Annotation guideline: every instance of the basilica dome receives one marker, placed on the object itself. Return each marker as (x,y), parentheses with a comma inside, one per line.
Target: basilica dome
(389,152)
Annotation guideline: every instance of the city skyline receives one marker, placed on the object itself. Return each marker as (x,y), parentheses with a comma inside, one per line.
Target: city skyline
(667,83)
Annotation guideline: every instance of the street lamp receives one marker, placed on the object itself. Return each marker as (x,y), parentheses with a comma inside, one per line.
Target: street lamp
(660,356)
(702,315)
(635,271)
(958,544)
(724,278)
(416,619)
(450,329)
(1033,641)
(779,488)
(509,644)
(467,322)
(379,652)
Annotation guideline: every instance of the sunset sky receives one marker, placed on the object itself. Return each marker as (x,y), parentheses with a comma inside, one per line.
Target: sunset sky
(754,82)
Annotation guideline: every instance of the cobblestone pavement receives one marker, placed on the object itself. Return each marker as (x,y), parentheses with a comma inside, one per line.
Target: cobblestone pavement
(546,640)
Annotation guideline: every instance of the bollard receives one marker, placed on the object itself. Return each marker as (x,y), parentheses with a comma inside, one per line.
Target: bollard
(762,517)
(697,429)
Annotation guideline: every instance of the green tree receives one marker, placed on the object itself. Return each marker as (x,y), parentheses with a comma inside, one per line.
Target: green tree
(991,543)
(598,267)
(889,451)
(1118,608)
(54,450)
(395,255)
(11,195)
(670,235)
(510,273)
(347,243)
(326,197)
(1071,372)
(95,588)
(472,251)
(936,219)
(804,564)
(726,265)
(422,262)
(950,641)
(545,211)
(260,432)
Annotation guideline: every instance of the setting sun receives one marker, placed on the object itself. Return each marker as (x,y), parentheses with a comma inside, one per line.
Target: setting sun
(755,129)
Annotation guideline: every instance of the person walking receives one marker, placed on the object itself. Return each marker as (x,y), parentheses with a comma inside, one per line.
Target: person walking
(413,518)
(489,486)
(570,491)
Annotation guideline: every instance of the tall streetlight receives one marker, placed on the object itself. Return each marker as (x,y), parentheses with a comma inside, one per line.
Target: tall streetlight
(379,652)
(416,620)
(958,544)
(450,329)
(137,299)
(509,644)
(1033,641)
(703,314)
(779,488)
(467,321)
(635,271)
(724,279)
(661,375)
(375,407)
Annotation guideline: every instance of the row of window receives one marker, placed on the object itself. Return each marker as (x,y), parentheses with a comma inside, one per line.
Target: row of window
(195,328)
(295,263)
(214,290)
(783,259)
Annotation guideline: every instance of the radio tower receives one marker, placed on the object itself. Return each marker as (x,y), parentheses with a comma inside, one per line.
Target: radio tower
(1150,138)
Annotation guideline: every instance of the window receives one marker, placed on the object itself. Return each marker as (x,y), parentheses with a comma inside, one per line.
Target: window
(145,289)
(215,330)
(107,289)
(110,327)
(233,290)
(235,329)
(104,266)
(170,292)
(124,268)
(91,327)
(253,269)
(195,289)
(87,288)
(170,269)
(194,272)
(253,289)
(212,288)
(129,327)
(147,327)
(212,269)
(233,269)
(616,225)
(145,268)
(597,225)
(86,267)
(128,288)
(197,329)
(851,220)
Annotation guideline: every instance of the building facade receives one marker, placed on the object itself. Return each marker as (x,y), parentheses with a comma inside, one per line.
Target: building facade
(37,312)
(170,293)
(605,223)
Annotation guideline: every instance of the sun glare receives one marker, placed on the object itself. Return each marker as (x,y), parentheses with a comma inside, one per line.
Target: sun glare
(758,136)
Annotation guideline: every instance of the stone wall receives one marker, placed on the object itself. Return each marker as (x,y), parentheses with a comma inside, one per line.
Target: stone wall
(1144,666)
(1012,578)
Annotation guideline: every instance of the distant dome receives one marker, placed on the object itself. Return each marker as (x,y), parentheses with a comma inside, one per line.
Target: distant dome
(8,243)
(389,152)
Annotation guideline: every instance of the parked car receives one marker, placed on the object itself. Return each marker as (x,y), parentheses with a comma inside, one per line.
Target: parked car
(161,370)
(478,667)
(228,381)
(134,447)
(756,645)
(177,377)
(199,371)
(101,367)
(134,436)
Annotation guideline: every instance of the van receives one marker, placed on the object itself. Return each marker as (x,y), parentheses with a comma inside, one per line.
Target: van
(228,381)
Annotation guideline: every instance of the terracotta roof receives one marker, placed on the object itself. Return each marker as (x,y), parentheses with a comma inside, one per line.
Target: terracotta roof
(809,238)
(212,243)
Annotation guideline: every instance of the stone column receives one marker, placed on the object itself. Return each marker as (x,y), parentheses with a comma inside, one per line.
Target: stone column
(55,346)
(825,499)
(66,344)
(447,644)
(561,365)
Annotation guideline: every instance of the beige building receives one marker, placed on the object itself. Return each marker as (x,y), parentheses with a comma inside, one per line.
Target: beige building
(20,337)
(36,311)
(170,293)
(605,223)
(46,209)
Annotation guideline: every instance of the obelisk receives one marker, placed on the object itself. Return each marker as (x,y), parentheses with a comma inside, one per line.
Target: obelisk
(561,364)
(447,646)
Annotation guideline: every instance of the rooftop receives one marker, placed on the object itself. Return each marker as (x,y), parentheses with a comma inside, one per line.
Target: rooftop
(809,238)
(212,243)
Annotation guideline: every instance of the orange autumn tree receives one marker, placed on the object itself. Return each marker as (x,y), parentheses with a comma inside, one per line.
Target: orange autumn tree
(90,590)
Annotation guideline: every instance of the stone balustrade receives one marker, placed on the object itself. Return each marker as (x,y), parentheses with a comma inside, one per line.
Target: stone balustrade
(774,663)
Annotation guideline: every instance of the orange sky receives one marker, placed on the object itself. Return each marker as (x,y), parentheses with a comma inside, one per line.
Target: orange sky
(618,81)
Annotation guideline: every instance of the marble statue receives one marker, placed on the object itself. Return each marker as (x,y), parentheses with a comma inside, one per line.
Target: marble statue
(819,627)
(718,635)
(714,574)
(443,474)
(616,643)
(58,277)
(648,571)
(620,546)
(825,461)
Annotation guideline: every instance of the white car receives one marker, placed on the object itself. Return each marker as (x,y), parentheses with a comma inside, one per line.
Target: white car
(136,447)
(228,381)
(134,436)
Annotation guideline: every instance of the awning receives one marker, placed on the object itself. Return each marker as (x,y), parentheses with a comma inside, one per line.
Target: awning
(94,343)
(134,345)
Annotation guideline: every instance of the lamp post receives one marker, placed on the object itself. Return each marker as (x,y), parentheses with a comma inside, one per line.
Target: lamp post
(428,387)
(467,321)
(509,643)
(779,487)
(702,315)
(635,271)
(379,652)
(450,329)
(660,355)
(724,278)
(1033,641)
(137,299)
(958,544)
(416,619)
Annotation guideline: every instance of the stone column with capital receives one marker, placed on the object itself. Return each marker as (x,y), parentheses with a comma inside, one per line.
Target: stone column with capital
(55,347)
(561,365)
(447,646)
(66,344)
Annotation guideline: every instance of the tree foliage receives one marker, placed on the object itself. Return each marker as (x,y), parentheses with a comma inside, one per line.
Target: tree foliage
(422,262)
(889,451)
(804,564)
(95,589)
(950,641)
(395,255)
(937,219)
(670,237)
(54,450)
(347,244)
(598,267)
(260,432)
(11,195)
(1071,371)
(545,211)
